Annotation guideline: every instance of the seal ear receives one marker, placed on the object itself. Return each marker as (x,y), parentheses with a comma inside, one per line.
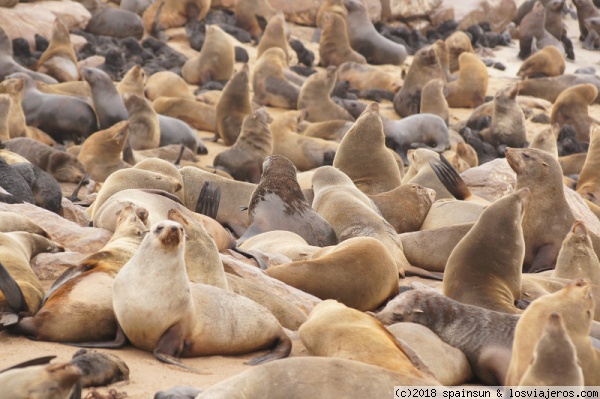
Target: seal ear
(417,310)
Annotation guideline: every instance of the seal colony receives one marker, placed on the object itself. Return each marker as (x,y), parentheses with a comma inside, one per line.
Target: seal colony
(227,176)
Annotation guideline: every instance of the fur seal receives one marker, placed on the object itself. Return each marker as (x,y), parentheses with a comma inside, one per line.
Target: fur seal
(14,89)
(554,348)
(571,108)
(11,221)
(533,34)
(244,159)
(547,62)
(433,99)
(166,14)
(469,90)
(545,140)
(494,279)
(550,88)
(416,202)
(215,61)
(425,67)
(270,85)
(166,84)
(144,128)
(341,271)
(304,152)
(508,121)
(365,77)
(456,44)
(333,330)
(588,182)
(132,82)
(59,59)
(99,369)
(483,335)
(244,325)
(575,305)
(276,34)
(108,103)
(45,189)
(315,98)
(377,170)
(331,6)
(247,14)
(114,22)
(78,307)
(233,106)
(175,131)
(365,39)
(5,104)
(197,114)
(334,45)
(331,130)
(585,9)
(100,154)
(278,203)
(53,381)
(421,172)
(15,189)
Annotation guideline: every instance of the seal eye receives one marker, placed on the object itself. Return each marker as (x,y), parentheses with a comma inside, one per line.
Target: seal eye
(526,156)
(159,229)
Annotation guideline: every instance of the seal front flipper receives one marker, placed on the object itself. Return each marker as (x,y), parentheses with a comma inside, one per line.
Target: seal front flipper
(170,345)
(450,178)
(281,349)
(75,195)
(119,341)
(12,292)
(208,200)
(545,258)
(33,362)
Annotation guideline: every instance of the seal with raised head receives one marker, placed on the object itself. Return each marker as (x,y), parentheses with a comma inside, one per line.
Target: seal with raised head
(571,108)
(108,103)
(334,45)
(59,59)
(456,44)
(585,9)
(133,81)
(248,15)
(469,90)
(180,313)
(577,258)
(315,98)
(233,106)
(279,204)
(588,183)
(270,85)
(433,99)
(144,127)
(508,121)
(215,61)
(276,34)
(166,14)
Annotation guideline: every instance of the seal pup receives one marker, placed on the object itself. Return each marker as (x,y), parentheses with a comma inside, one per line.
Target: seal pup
(215,61)
(484,336)
(508,121)
(315,98)
(469,90)
(133,81)
(365,77)
(424,68)
(45,189)
(575,305)
(344,272)
(304,152)
(244,325)
(166,84)
(456,44)
(59,59)
(78,307)
(15,189)
(571,108)
(577,258)
(588,183)
(365,39)
(199,115)
(433,99)
(108,103)
(144,126)
(53,381)
(99,369)
(334,44)
(9,66)
(114,22)
(363,156)
(166,14)
(533,34)
(554,360)
(585,9)
(245,158)
(547,62)
(276,34)
(100,154)
(494,279)
(233,106)
(278,203)
(333,330)
(270,85)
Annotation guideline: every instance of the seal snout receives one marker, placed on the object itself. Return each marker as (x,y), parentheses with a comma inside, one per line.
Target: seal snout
(169,233)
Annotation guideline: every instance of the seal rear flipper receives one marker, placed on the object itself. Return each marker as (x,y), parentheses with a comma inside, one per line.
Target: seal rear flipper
(208,200)
(180,155)
(170,345)
(75,195)
(450,178)
(119,342)
(282,348)
(33,362)
(419,272)
(545,258)
(62,279)
(76,394)
(261,263)
(493,362)
(12,292)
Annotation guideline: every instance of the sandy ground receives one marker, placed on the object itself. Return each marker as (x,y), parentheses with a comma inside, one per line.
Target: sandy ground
(147,375)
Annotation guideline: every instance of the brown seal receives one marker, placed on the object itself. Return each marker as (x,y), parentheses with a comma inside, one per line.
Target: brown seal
(108,103)
(183,326)
(59,59)
(16,117)
(425,67)
(315,98)
(585,9)
(166,14)
(416,201)
(334,330)
(99,369)
(197,114)
(112,21)
(469,90)
(365,39)
(577,258)
(334,45)
(331,130)
(588,183)
(144,128)
(366,77)
(456,44)
(545,140)
(433,99)
(279,204)
(443,55)
(304,152)
(547,62)
(166,84)
(377,172)
(554,348)
(488,263)
(245,158)
(571,108)
(247,13)
(533,34)
(233,106)
(78,307)
(215,61)
(575,305)
(132,82)
(277,34)
(331,6)
(483,335)
(270,85)
(56,381)
(554,18)
(5,103)
(508,121)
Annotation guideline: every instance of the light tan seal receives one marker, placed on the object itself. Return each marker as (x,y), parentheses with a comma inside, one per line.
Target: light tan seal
(571,108)
(197,114)
(342,271)
(331,6)
(276,34)
(173,13)
(183,324)
(315,98)
(4,117)
(547,62)
(367,77)
(233,106)
(469,90)
(133,81)
(588,184)
(433,99)
(405,207)
(457,43)
(334,330)
(577,258)
(270,85)
(144,128)
(488,263)
(215,61)
(334,45)
(166,84)
(508,121)
(59,59)
(53,381)
(363,156)
(576,306)
(545,140)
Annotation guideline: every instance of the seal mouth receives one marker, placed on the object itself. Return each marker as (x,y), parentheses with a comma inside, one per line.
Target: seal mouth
(513,159)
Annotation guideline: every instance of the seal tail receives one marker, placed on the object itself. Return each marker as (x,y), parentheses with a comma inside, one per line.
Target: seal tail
(208,200)
(281,349)
(450,178)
